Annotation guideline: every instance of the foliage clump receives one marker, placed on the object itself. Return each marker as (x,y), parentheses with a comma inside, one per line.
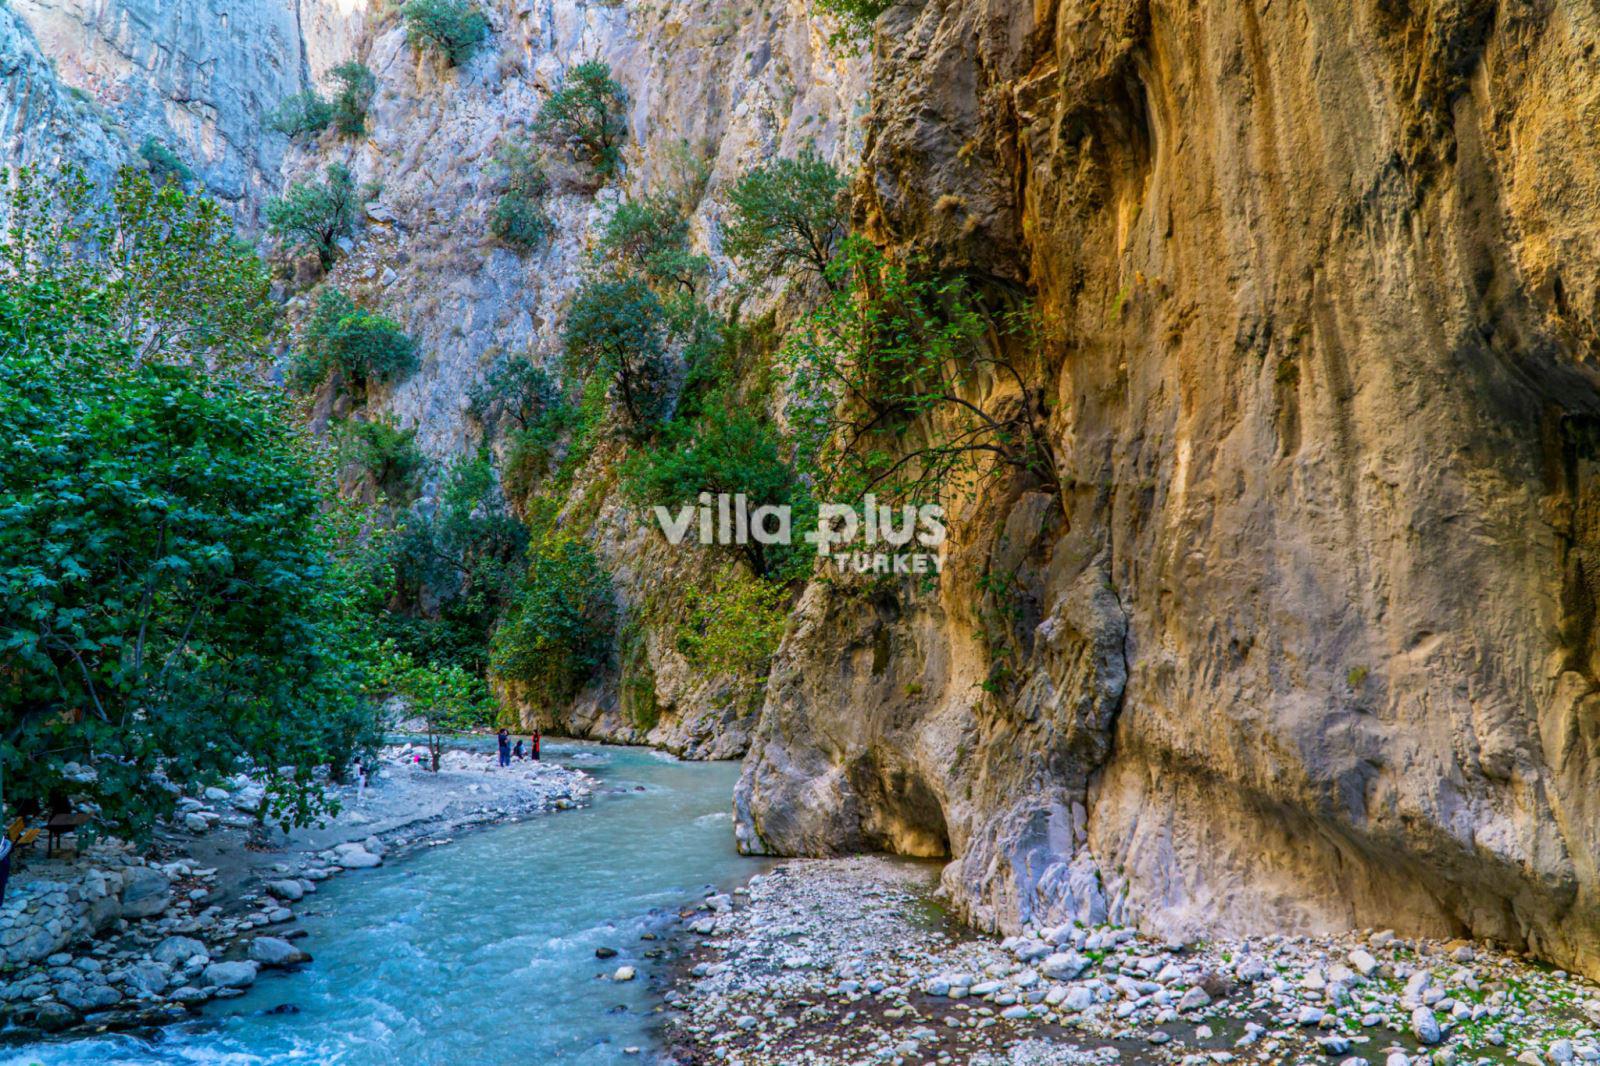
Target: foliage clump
(448,698)
(559,631)
(856,18)
(786,216)
(735,625)
(359,346)
(518,217)
(164,164)
(649,238)
(454,29)
(302,113)
(316,215)
(617,327)
(357,84)
(177,284)
(172,605)
(586,117)
(383,454)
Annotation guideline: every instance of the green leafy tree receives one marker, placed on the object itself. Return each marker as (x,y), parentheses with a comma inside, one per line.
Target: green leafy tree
(455,29)
(734,625)
(514,393)
(856,18)
(315,215)
(650,238)
(301,113)
(880,373)
(785,216)
(518,217)
(164,164)
(586,117)
(732,451)
(175,282)
(385,455)
(171,608)
(447,698)
(357,84)
(618,327)
(357,345)
(559,631)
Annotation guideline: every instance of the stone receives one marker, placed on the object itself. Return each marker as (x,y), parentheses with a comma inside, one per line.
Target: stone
(272,951)
(1063,965)
(355,857)
(1194,999)
(1424,1026)
(624,973)
(53,1017)
(286,890)
(605,953)
(177,950)
(146,893)
(189,994)
(229,975)
(1363,962)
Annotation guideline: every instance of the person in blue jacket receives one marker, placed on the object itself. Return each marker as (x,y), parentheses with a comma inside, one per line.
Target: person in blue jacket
(504,739)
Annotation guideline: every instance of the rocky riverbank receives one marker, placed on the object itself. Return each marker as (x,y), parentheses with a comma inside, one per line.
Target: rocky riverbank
(113,938)
(850,961)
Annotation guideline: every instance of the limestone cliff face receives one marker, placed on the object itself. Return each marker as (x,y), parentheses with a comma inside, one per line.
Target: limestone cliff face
(1309,640)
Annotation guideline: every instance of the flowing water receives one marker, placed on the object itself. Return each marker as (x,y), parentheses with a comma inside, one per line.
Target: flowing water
(480,952)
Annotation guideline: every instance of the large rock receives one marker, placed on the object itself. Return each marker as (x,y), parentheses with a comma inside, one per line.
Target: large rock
(286,890)
(229,975)
(355,857)
(177,950)
(272,951)
(146,893)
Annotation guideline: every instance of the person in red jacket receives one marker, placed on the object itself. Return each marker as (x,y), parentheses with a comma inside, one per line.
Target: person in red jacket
(533,746)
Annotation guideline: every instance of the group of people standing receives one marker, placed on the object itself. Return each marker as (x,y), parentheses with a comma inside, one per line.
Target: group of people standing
(507,752)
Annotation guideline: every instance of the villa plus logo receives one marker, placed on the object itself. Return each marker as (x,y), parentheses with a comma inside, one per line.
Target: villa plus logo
(851,537)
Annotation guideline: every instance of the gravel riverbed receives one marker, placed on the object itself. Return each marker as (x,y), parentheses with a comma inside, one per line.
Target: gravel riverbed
(849,961)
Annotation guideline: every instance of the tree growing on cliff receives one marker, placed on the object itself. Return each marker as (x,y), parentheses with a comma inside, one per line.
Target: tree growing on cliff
(164,164)
(787,216)
(618,327)
(316,215)
(518,217)
(383,454)
(301,113)
(559,631)
(357,345)
(883,374)
(454,29)
(586,117)
(649,238)
(357,84)
(175,282)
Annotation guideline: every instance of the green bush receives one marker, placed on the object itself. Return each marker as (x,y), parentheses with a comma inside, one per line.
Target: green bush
(731,451)
(164,163)
(618,327)
(358,345)
(735,625)
(650,237)
(446,697)
(559,631)
(384,454)
(518,217)
(514,391)
(856,18)
(786,215)
(357,84)
(453,28)
(176,278)
(301,113)
(315,215)
(585,116)
(171,606)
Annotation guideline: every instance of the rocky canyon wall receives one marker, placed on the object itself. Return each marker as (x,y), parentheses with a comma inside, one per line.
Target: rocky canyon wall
(1309,641)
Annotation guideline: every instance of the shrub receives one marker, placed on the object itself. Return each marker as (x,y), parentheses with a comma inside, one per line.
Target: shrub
(385,455)
(315,215)
(176,279)
(301,113)
(618,327)
(786,215)
(164,164)
(732,452)
(585,116)
(735,625)
(855,18)
(170,603)
(446,697)
(362,347)
(453,28)
(357,84)
(518,217)
(515,391)
(650,237)
(560,628)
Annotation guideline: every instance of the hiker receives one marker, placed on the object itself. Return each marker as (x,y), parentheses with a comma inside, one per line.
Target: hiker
(533,746)
(516,752)
(361,780)
(503,738)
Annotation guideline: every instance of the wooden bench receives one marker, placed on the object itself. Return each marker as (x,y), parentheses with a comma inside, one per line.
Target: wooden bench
(60,826)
